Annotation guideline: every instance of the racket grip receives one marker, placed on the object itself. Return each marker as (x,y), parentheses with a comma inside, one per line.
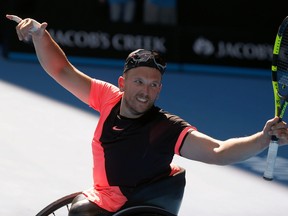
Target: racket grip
(271,159)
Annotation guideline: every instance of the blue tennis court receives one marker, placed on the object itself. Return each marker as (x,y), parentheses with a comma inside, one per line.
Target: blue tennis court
(46,133)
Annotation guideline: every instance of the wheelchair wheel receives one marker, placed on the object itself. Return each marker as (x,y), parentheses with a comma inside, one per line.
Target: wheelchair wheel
(143,211)
(59,207)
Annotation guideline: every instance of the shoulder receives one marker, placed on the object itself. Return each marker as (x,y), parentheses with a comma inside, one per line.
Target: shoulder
(100,86)
(103,93)
(171,117)
(167,119)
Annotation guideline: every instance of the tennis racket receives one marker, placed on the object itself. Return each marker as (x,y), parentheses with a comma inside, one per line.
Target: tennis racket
(280,89)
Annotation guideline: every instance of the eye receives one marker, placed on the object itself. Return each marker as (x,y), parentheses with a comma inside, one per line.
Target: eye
(155,85)
(139,82)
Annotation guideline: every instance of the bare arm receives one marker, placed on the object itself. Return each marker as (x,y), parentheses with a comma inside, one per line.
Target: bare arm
(52,58)
(200,147)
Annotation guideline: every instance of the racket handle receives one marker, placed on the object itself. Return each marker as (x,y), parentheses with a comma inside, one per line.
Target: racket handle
(271,158)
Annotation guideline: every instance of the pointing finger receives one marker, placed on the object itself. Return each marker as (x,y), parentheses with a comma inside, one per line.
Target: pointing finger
(14,18)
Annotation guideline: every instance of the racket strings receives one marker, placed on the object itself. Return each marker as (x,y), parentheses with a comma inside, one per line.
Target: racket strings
(282,65)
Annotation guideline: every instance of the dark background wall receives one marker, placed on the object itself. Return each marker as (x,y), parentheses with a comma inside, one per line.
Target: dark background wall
(202,25)
(243,13)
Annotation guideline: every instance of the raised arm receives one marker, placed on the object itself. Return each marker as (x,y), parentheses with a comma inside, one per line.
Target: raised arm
(52,58)
(200,147)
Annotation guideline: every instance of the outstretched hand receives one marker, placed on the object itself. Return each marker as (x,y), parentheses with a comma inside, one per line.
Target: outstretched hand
(27,27)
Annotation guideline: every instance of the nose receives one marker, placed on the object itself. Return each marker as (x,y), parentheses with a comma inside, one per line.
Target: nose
(146,89)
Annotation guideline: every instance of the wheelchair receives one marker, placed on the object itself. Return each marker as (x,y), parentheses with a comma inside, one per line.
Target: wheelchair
(175,183)
(61,207)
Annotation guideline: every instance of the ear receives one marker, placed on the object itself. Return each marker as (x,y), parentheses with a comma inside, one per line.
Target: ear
(121,84)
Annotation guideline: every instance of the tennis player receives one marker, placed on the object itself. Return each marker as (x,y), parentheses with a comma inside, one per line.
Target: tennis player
(135,141)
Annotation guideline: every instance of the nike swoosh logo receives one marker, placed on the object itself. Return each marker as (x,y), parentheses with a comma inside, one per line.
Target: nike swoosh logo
(117,129)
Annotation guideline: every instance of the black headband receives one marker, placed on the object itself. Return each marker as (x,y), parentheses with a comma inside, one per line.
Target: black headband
(146,58)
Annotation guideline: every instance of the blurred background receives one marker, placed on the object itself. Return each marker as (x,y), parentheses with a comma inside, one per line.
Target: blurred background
(192,34)
(218,78)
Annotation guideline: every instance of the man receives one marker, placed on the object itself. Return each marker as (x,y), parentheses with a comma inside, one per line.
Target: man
(135,141)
